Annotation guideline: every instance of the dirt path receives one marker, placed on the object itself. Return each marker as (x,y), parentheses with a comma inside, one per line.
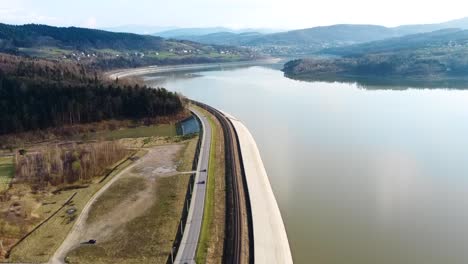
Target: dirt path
(78,228)
(158,162)
(103,223)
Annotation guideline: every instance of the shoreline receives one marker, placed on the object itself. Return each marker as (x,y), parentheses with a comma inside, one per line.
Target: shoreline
(184,67)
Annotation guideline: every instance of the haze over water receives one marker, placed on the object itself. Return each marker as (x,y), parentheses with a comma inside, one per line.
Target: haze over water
(361,176)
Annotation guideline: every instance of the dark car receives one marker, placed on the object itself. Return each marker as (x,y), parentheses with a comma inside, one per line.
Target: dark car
(201,182)
(90,242)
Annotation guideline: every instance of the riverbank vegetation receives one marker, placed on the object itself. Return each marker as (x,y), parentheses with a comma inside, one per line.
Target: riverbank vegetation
(436,55)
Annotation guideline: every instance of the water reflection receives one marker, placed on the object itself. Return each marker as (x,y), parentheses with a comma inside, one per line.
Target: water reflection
(391,83)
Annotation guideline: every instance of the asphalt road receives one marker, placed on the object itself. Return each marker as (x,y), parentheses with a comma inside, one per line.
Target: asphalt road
(188,246)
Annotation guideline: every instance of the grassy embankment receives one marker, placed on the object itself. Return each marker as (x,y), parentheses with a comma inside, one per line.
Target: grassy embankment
(7,170)
(164,130)
(211,242)
(42,243)
(148,237)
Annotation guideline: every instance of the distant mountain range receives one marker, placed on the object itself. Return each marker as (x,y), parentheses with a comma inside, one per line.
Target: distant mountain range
(451,37)
(180,33)
(308,41)
(177,32)
(138,29)
(297,43)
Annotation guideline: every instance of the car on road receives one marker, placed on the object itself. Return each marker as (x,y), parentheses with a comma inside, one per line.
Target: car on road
(201,182)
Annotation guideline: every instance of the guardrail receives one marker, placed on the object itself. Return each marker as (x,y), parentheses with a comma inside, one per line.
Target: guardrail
(188,199)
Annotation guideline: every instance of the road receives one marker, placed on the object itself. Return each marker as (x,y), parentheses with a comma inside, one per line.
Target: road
(238,239)
(72,240)
(189,243)
(267,238)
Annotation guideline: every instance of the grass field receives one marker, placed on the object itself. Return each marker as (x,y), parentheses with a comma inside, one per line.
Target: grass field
(147,238)
(164,130)
(7,170)
(210,246)
(41,244)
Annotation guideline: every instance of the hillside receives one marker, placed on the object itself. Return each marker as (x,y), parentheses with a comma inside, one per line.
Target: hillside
(187,33)
(326,36)
(436,39)
(108,50)
(413,29)
(308,41)
(437,55)
(298,42)
(221,38)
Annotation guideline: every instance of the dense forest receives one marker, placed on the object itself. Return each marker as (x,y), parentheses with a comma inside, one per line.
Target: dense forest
(32,35)
(37,94)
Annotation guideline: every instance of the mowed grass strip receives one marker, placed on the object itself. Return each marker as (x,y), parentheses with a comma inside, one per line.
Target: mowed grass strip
(164,130)
(7,170)
(211,241)
(149,237)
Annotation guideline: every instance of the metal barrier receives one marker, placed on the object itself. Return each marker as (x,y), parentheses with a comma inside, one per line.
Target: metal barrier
(188,199)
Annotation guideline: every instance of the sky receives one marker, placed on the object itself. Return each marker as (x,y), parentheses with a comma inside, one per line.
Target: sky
(273,14)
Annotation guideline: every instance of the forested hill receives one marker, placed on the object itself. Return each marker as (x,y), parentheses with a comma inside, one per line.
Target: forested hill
(37,94)
(107,50)
(449,38)
(437,55)
(32,35)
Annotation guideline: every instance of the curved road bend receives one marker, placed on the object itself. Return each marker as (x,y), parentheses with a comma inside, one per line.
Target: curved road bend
(191,234)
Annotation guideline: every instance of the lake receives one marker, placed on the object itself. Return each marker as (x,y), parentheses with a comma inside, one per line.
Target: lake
(362,176)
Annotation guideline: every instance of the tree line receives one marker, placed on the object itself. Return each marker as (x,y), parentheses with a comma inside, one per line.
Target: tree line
(37,99)
(55,165)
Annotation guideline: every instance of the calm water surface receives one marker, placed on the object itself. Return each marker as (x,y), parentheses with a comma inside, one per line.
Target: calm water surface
(361,176)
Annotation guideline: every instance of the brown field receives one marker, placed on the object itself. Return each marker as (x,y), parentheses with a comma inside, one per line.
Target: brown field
(42,243)
(136,220)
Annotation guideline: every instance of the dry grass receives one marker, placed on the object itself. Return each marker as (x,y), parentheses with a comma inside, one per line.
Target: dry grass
(164,130)
(7,170)
(42,243)
(109,128)
(211,242)
(148,237)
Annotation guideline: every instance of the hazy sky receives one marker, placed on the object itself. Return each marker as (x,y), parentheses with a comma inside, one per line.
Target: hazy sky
(231,13)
